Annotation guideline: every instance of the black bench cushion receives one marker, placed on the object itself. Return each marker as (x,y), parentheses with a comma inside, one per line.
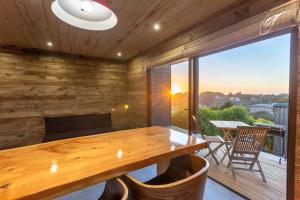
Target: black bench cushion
(58,128)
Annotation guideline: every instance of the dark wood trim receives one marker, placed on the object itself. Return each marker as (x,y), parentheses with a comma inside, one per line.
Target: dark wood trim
(193,95)
(149,97)
(196,86)
(191,66)
(292,115)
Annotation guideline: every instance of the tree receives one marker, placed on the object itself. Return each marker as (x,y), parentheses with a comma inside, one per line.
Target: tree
(265,121)
(227,104)
(269,139)
(263,115)
(234,113)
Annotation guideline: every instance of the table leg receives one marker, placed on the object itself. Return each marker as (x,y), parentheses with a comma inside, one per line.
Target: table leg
(228,144)
(227,153)
(162,167)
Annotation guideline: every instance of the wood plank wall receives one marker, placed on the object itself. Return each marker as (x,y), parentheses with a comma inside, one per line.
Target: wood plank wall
(137,91)
(34,86)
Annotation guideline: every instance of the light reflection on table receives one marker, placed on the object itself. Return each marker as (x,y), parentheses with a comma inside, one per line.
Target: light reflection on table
(48,170)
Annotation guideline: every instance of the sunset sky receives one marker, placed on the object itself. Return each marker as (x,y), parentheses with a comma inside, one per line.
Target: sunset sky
(258,68)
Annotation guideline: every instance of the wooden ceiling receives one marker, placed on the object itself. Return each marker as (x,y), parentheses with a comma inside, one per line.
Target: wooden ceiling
(31,24)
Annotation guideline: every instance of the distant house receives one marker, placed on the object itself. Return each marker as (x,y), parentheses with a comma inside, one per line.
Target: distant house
(235,100)
(253,99)
(268,108)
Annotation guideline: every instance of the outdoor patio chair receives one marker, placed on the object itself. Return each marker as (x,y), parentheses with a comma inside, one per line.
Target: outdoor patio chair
(211,140)
(246,149)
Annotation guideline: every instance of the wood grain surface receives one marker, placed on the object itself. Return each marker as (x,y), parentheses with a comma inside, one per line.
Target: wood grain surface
(34,86)
(52,169)
(32,24)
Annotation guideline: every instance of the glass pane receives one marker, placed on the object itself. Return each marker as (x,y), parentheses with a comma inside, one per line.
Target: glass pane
(160,96)
(249,84)
(180,95)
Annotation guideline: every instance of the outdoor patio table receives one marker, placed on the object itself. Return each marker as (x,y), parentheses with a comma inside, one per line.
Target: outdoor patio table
(227,127)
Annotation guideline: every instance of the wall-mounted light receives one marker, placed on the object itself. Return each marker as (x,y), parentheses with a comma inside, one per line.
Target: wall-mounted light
(49,44)
(119,54)
(126,106)
(85,14)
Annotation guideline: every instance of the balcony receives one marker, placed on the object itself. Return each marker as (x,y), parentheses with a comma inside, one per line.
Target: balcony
(250,184)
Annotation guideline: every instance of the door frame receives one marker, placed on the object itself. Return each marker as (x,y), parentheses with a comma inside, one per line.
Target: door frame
(292,111)
(193,97)
(149,92)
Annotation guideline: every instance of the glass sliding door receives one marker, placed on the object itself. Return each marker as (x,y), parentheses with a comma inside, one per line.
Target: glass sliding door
(180,95)
(169,89)
(250,85)
(160,95)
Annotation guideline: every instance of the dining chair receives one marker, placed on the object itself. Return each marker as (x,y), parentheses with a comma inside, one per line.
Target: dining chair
(115,189)
(210,140)
(184,179)
(246,149)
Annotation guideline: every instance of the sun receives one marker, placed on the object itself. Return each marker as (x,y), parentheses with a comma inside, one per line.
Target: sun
(175,90)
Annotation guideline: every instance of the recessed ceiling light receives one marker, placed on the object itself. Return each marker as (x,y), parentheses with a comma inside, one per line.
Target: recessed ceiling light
(156,27)
(49,44)
(86,14)
(119,54)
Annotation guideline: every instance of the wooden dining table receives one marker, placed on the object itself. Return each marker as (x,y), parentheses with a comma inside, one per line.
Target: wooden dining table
(49,170)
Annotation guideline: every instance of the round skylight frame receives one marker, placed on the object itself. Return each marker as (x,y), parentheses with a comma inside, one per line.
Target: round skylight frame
(102,17)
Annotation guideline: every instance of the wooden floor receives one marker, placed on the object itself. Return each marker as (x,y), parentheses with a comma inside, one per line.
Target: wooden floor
(250,184)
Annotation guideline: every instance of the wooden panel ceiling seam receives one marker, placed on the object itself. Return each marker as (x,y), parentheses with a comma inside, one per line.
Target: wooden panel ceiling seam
(39,52)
